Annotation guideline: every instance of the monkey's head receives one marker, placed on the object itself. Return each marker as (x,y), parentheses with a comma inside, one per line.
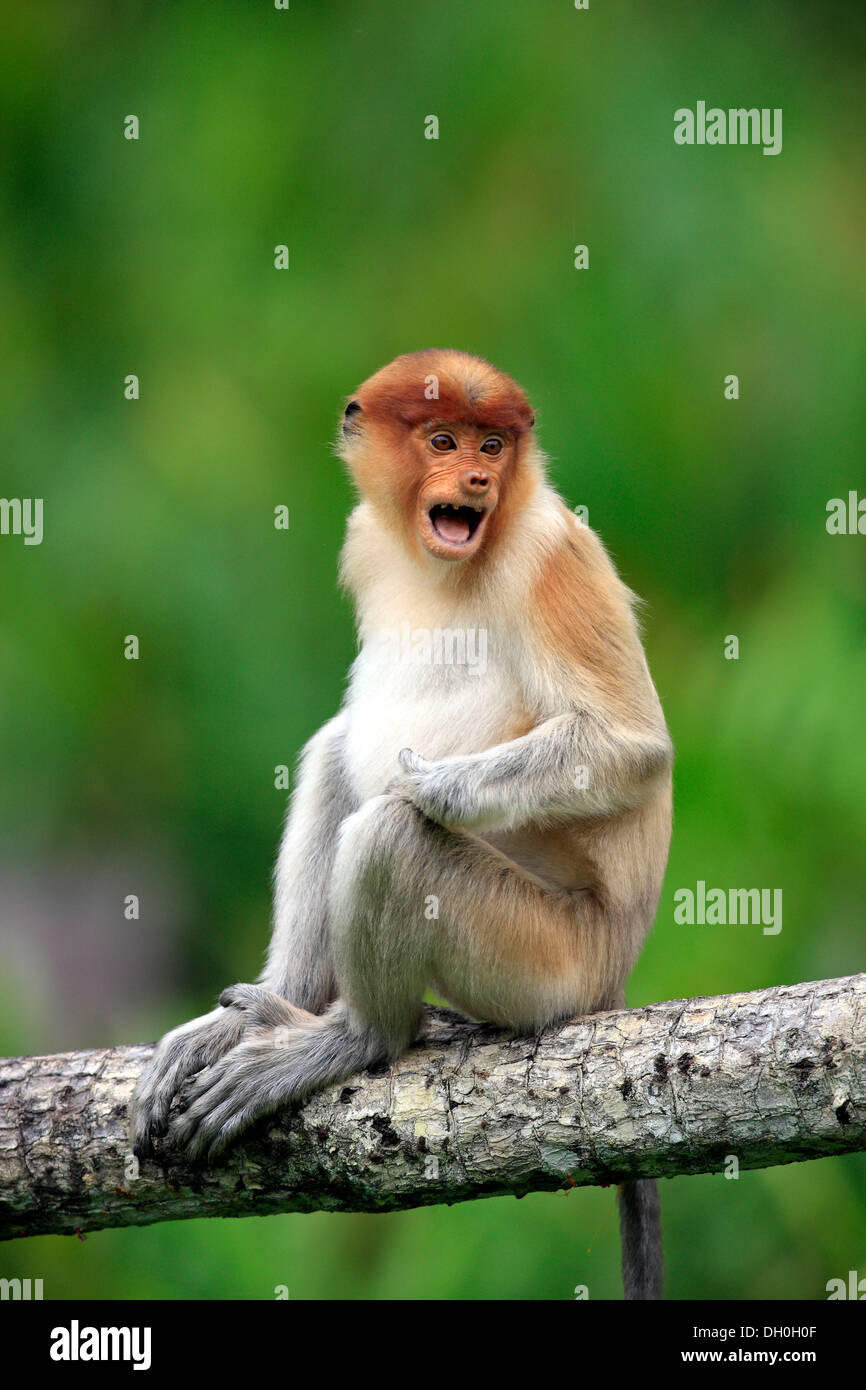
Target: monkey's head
(440,444)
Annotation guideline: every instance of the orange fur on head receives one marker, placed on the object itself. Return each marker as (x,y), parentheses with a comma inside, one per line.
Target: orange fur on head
(470,391)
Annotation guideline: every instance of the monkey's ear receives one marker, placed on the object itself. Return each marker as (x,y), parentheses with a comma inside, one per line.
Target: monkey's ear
(350,424)
(532,420)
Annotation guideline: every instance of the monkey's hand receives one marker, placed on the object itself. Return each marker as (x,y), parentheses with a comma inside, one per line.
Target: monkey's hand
(179,1055)
(570,765)
(264,1071)
(220,1102)
(198,1045)
(440,790)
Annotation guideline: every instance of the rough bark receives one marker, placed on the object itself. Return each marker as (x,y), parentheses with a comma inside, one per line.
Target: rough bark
(772,1077)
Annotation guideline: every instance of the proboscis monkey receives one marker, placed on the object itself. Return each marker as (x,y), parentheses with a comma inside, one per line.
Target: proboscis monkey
(528,794)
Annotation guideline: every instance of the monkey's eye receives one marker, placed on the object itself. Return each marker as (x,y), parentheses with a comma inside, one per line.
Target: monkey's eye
(492,446)
(442,443)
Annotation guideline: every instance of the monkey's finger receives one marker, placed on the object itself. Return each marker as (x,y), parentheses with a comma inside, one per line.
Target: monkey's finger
(240,996)
(199,1128)
(197,1086)
(150,1119)
(144,1146)
(411,762)
(212,1086)
(228,1131)
(188,1131)
(151,1106)
(262,1008)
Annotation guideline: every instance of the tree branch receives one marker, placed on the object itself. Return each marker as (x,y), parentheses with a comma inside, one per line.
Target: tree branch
(771,1077)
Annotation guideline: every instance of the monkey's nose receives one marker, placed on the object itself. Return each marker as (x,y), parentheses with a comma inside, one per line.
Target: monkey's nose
(474,480)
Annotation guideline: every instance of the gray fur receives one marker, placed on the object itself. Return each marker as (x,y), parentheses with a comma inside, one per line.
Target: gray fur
(534,778)
(180,1054)
(353,949)
(352,925)
(300,964)
(267,1070)
(641,1232)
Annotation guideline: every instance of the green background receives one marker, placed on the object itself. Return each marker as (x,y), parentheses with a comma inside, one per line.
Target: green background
(155,257)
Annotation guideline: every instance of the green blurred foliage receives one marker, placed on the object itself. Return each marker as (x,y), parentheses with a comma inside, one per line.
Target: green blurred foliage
(156,257)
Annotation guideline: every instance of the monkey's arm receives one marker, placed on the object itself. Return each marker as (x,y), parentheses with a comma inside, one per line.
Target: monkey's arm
(299,966)
(571,766)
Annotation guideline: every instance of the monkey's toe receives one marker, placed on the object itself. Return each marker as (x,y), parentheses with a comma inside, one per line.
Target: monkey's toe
(206,1128)
(149,1114)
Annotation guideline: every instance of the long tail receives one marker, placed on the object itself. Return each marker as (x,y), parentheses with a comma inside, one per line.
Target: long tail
(640,1223)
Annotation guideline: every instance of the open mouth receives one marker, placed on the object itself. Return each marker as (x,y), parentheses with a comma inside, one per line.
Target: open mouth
(455,525)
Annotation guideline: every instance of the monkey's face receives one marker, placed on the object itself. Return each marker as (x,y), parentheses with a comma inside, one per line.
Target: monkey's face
(440,444)
(461,470)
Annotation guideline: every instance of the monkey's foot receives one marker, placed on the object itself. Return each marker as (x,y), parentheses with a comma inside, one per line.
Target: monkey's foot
(180,1054)
(225,1098)
(262,1008)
